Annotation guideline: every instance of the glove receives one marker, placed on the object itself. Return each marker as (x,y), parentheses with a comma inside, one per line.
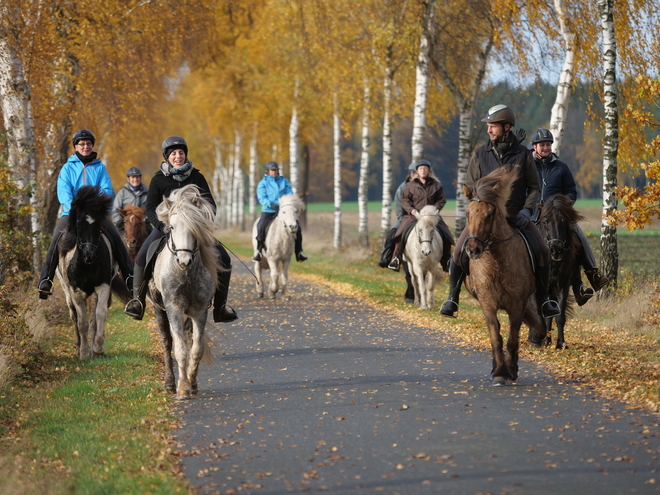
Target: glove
(520,135)
(164,228)
(274,207)
(522,218)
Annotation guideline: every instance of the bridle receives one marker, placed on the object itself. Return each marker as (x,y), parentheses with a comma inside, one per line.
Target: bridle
(173,249)
(283,220)
(419,236)
(488,242)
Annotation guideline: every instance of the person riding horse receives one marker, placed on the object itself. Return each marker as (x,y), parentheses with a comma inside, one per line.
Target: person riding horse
(388,246)
(269,191)
(424,190)
(504,150)
(175,172)
(134,193)
(83,168)
(556,178)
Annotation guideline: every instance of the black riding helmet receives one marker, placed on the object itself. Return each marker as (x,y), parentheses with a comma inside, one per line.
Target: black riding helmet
(272,166)
(133,171)
(542,135)
(500,114)
(83,134)
(174,143)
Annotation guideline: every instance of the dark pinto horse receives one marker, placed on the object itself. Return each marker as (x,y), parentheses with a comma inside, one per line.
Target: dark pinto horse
(135,229)
(500,270)
(86,269)
(557,223)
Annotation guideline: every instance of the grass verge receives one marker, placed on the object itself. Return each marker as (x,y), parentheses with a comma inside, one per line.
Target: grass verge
(95,427)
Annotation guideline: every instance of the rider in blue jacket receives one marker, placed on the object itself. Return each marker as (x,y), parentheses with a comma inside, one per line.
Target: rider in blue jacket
(556,178)
(269,191)
(83,168)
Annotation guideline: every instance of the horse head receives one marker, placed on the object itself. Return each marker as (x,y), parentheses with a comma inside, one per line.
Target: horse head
(556,223)
(427,219)
(290,208)
(134,226)
(486,210)
(88,209)
(191,230)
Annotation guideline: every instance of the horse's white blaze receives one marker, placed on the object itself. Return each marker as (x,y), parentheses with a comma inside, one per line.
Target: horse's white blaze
(89,219)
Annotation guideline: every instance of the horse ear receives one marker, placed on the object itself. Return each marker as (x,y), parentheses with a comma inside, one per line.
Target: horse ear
(467,192)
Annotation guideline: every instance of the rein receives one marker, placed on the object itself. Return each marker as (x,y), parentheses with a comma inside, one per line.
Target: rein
(488,242)
(173,249)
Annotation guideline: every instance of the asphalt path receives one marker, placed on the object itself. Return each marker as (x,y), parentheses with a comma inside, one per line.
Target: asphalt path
(324,393)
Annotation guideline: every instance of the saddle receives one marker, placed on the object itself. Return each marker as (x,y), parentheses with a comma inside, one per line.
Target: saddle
(405,234)
(152,254)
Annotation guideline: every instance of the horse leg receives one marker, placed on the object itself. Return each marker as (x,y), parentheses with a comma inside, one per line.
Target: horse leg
(166,343)
(285,277)
(97,314)
(257,275)
(512,346)
(415,283)
(274,278)
(430,286)
(499,373)
(196,349)
(175,318)
(81,324)
(561,321)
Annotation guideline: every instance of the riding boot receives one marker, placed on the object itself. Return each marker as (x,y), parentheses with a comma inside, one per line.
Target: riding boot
(395,263)
(388,250)
(221,312)
(456,277)
(135,307)
(120,254)
(581,292)
(45,285)
(257,254)
(549,307)
(300,256)
(596,280)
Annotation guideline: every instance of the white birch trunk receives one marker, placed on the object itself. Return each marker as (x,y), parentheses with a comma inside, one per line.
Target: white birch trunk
(237,181)
(565,85)
(294,145)
(215,179)
(252,181)
(609,259)
(421,85)
(19,124)
(386,212)
(337,175)
(363,207)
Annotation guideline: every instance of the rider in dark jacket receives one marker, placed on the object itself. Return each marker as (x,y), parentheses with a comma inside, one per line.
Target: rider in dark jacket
(175,172)
(556,178)
(505,150)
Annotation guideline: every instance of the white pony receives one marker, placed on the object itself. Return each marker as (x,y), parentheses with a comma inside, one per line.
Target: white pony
(422,253)
(183,283)
(279,245)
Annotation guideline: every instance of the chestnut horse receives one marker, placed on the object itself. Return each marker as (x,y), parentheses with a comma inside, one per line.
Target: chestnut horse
(135,229)
(500,270)
(556,223)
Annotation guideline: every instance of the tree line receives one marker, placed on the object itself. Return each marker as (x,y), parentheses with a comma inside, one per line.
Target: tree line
(246,81)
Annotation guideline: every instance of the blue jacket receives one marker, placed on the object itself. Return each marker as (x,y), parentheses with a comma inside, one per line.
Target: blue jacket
(270,190)
(74,175)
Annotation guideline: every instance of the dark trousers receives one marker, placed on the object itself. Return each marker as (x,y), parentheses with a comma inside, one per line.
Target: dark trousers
(264,220)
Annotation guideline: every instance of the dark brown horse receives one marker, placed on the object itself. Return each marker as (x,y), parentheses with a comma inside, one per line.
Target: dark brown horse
(557,223)
(135,229)
(500,272)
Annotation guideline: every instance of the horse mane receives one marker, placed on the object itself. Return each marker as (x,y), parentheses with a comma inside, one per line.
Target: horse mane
(134,210)
(495,188)
(198,215)
(89,200)
(293,200)
(564,206)
(428,215)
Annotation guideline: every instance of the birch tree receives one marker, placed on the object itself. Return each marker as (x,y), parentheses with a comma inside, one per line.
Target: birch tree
(363,184)
(252,180)
(609,260)
(565,85)
(336,128)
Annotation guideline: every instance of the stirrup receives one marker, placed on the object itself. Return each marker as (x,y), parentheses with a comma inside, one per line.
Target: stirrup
(550,309)
(300,257)
(449,309)
(583,295)
(395,264)
(224,314)
(136,315)
(257,257)
(45,291)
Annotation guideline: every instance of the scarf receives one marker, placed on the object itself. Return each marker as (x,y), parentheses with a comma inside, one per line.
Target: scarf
(178,173)
(87,159)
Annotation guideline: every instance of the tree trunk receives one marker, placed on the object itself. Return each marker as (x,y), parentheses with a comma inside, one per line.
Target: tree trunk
(363,207)
(294,150)
(386,212)
(252,181)
(237,183)
(609,258)
(421,84)
(565,85)
(18,122)
(337,175)
(303,181)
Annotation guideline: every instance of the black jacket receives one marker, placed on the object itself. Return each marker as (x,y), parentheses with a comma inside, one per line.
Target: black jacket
(161,186)
(555,178)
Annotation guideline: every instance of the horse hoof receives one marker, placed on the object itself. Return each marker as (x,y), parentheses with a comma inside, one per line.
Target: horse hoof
(409,301)
(183,396)
(260,296)
(499,381)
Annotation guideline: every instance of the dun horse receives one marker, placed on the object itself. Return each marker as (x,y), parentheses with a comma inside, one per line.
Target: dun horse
(422,252)
(556,223)
(86,269)
(280,240)
(135,229)
(183,284)
(500,272)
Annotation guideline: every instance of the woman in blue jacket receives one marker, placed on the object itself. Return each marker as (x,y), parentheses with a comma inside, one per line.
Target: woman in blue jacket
(269,191)
(83,168)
